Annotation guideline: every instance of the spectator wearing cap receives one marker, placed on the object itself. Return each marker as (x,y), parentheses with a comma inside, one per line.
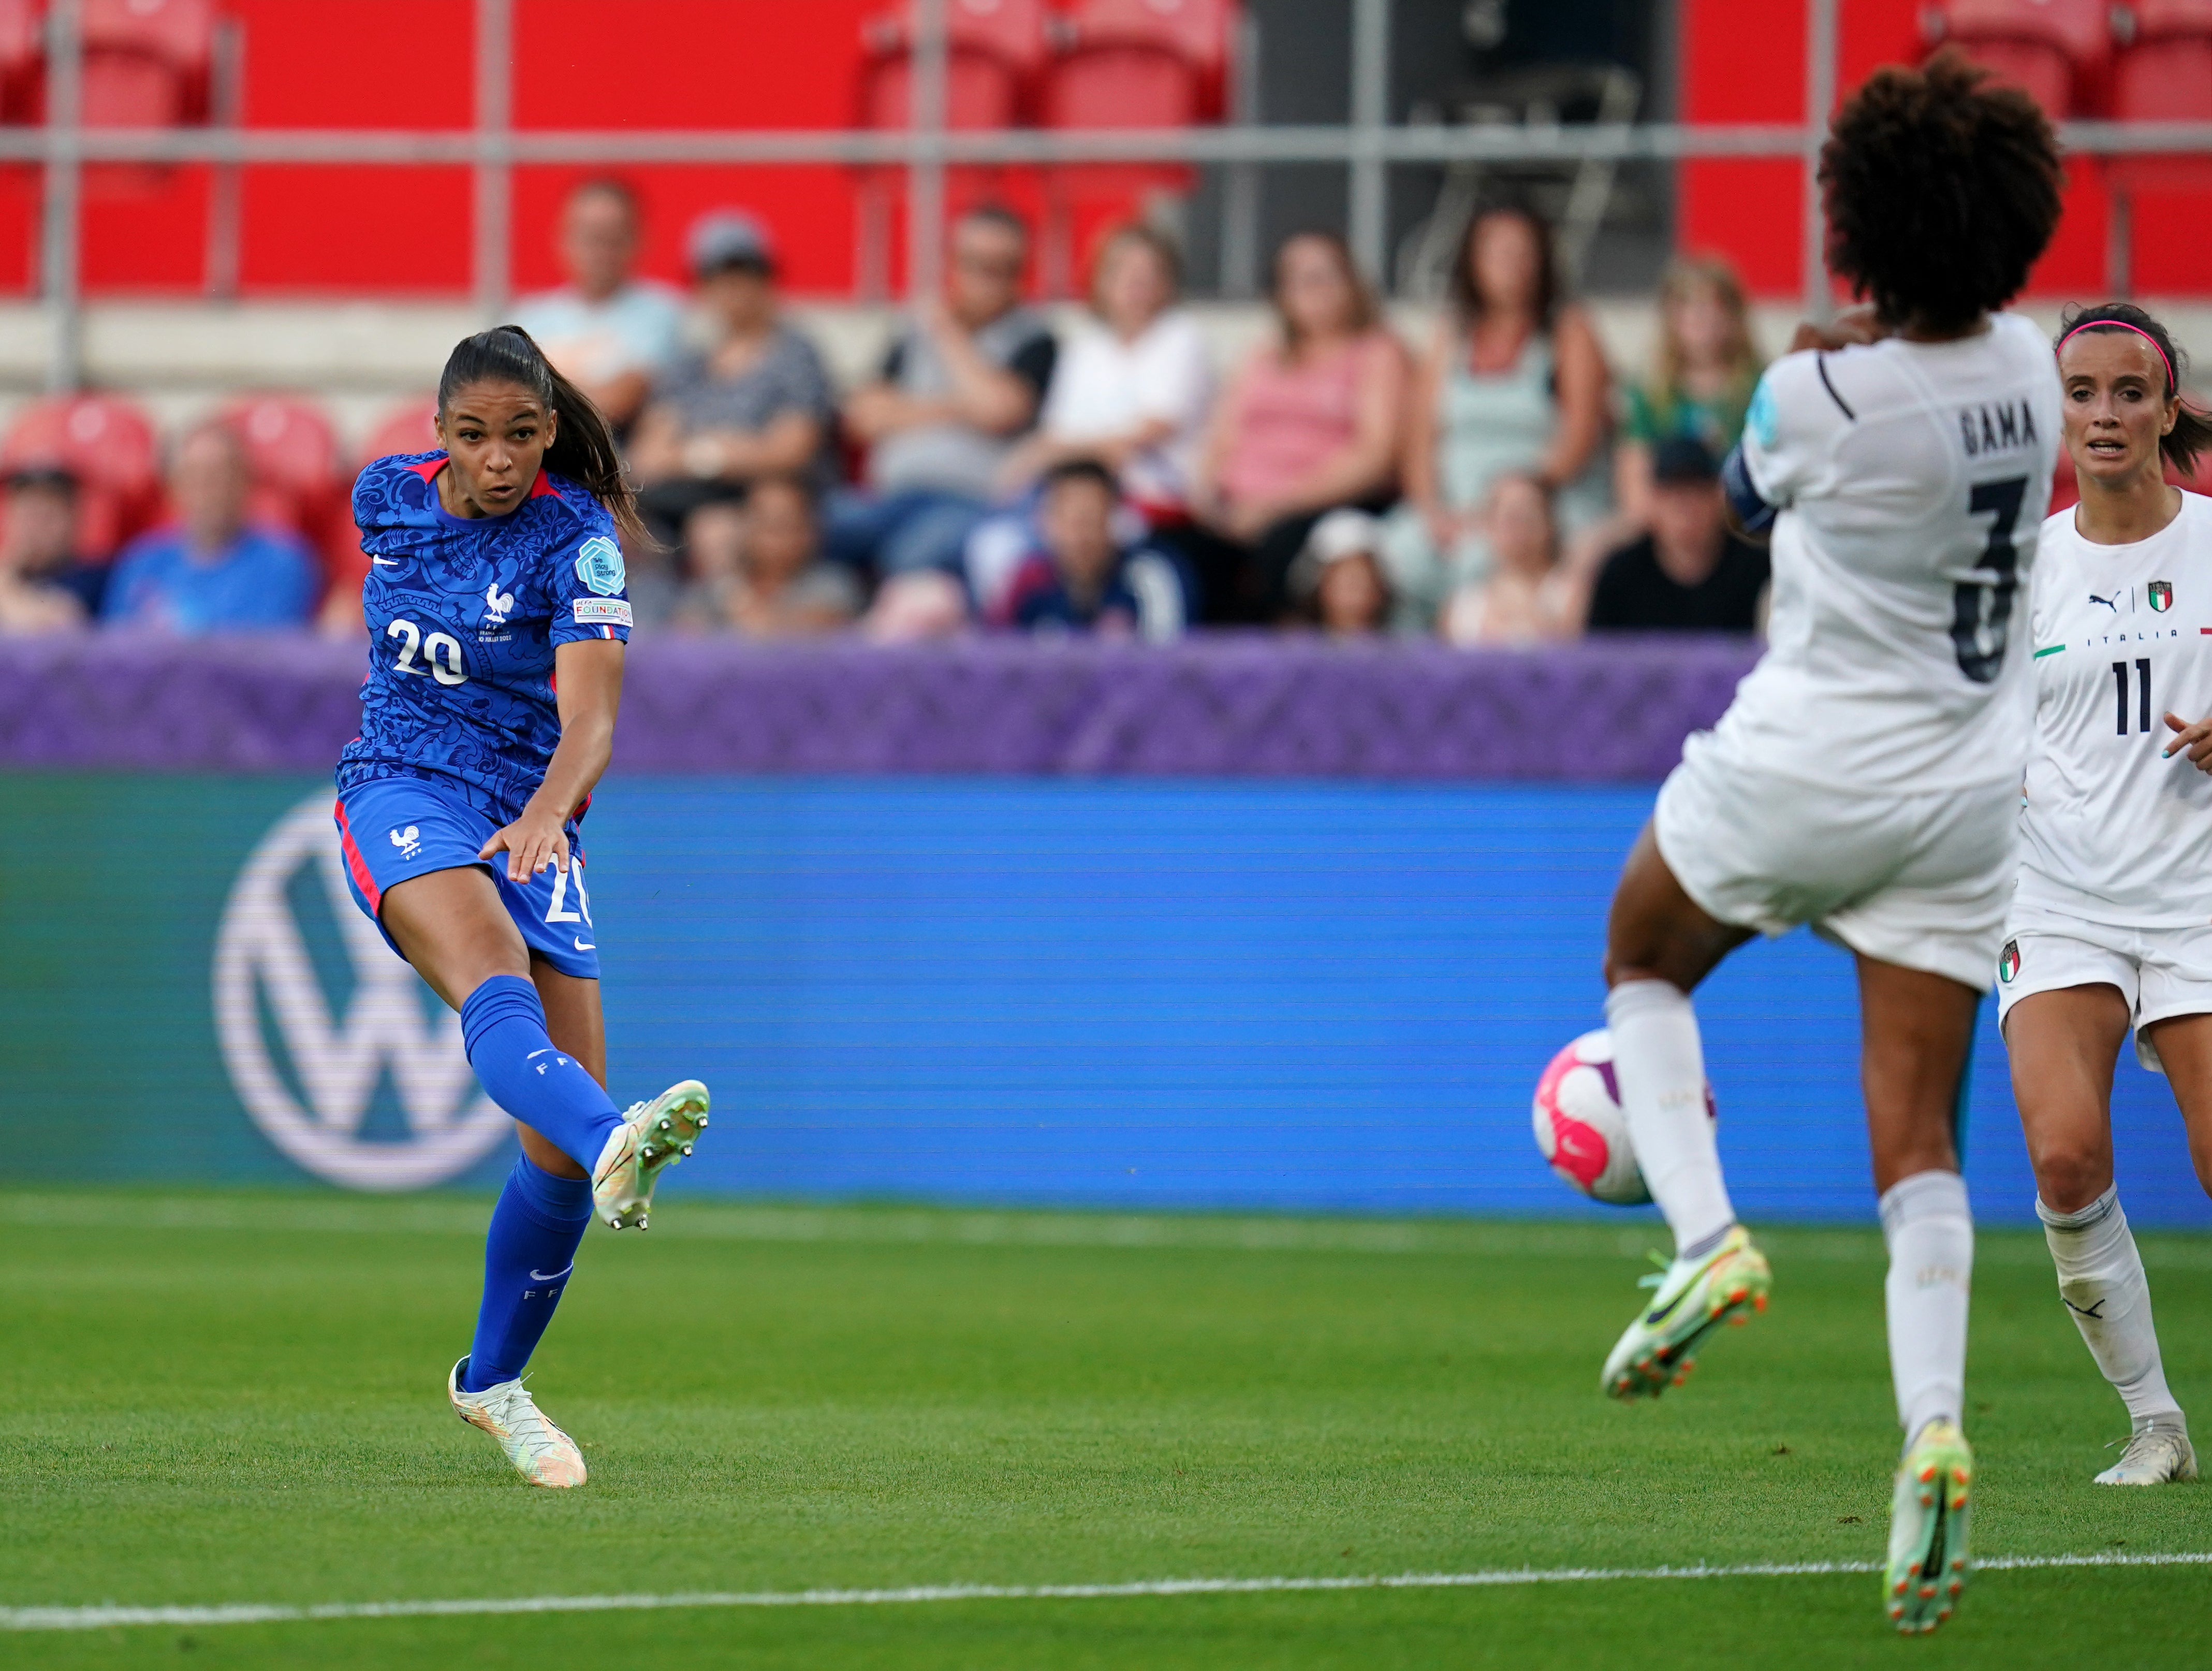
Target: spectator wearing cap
(610,332)
(1527,597)
(759,568)
(1689,573)
(211,570)
(960,385)
(1083,578)
(1337,582)
(757,403)
(43,587)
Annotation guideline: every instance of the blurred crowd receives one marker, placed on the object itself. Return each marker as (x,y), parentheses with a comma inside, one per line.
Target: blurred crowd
(1495,485)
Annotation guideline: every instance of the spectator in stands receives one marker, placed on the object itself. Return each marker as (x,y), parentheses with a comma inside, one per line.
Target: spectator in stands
(1310,422)
(957,388)
(1338,580)
(756,404)
(1690,572)
(1513,384)
(758,568)
(1133,384)
(1527,598)
(609,332)
(43,587)
(211,570)
(1700,384)
(1085,579)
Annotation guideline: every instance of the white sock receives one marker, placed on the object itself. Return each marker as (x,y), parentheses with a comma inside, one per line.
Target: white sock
(1660,1064)
(1930,1232)
(2100,1277)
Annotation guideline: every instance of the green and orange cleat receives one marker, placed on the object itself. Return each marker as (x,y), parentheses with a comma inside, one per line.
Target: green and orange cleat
(1694,1298)
(1928,1522)
(652,1134)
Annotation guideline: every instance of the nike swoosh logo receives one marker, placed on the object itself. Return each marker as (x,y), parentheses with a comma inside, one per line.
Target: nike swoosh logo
(583,945)
(386,562)
(535,1054)
(1660,1315)
(552,1276)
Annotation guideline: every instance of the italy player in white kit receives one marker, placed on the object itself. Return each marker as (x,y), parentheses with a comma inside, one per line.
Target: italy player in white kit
(2111,927)
(1866,779)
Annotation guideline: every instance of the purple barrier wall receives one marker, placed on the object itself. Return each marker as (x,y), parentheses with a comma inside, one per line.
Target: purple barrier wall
(1232,705)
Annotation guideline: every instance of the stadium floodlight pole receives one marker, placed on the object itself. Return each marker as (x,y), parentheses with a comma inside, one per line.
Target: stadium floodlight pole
(1371,116)
(925,183)
(59,273)
(495,166)
(1820,105)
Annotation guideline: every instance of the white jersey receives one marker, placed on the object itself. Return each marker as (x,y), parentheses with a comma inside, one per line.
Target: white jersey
(1908,479)
(2111,832)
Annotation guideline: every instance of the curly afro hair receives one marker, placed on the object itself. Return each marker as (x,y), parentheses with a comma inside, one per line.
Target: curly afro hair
(1941,190)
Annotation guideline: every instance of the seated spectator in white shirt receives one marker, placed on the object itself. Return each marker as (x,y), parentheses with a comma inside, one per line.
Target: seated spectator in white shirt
(756,404)
(610,332)
(759,571)
(43,587)
(957,387)
(1133,386)
(1085,579)
(212,571)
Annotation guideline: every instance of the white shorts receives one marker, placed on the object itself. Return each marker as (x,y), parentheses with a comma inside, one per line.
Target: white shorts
(2162,972)
(1920,881)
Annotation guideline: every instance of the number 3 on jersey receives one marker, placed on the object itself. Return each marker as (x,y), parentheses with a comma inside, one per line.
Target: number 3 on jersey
(1981,610)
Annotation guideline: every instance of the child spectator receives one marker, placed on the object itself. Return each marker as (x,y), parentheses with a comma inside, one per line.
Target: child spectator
(756,404)
(1339,580)
(43,588)
(1701,384)
(1310,422)
(1086,580)
(1689,573)
(1513,384)
(210,571)
(957,387)
(1527,598)
(757,569)
(609,332)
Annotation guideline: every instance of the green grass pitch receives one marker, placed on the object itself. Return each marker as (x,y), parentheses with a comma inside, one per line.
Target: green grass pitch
(222,1398)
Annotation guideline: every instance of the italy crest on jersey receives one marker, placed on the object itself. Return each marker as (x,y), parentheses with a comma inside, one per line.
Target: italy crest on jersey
(2009,962)
(2160,592)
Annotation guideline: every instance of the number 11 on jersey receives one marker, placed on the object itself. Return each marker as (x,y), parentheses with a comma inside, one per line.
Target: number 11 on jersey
(2143,695)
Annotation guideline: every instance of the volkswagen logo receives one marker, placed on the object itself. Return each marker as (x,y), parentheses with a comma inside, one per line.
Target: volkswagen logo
(263,962)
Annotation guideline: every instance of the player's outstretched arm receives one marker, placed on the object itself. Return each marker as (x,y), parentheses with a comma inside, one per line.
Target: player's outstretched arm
(587,675)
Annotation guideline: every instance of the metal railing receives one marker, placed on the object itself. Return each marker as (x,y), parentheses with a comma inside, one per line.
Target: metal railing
(1369,146)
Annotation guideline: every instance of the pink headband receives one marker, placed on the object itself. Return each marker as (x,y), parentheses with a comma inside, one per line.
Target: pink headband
(2172,383)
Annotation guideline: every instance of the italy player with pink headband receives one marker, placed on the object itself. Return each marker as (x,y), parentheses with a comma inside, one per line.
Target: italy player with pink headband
(2111,926)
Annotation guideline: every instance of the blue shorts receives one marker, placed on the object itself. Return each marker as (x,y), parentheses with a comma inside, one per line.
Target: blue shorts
(394,828)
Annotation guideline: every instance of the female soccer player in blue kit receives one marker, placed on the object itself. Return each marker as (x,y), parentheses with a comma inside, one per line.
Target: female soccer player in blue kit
(496,618)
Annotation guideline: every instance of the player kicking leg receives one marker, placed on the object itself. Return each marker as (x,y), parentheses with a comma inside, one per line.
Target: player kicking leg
(1866,779)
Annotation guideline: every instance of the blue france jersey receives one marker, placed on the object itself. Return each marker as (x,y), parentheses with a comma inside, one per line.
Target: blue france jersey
(463,616)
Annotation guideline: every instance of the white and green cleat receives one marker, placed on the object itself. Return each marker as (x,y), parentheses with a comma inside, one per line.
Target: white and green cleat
(652,1134)
(1928,1523)
(541,1453)
(2159,1455)
(1694,1298)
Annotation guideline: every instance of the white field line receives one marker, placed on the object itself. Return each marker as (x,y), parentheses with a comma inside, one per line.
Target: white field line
(110,1617)
(715,1220)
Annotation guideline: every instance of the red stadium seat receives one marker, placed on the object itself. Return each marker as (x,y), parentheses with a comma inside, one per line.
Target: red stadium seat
(22,49)
(2059,49)
(407,429)
(294,456)
(147,62)
(994,49)
(1198,35)
(108,444)
(2163,74)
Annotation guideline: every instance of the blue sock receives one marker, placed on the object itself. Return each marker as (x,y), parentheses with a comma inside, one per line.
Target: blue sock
(528,1255)
(503,1027)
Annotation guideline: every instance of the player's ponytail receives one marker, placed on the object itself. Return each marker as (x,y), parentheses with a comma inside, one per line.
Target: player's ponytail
(583,447)
(2191,435)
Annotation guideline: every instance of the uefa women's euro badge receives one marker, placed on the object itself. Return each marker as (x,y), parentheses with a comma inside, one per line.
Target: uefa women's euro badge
(599,566)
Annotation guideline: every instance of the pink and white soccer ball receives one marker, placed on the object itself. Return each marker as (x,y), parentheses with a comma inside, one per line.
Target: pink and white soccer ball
(1580,1127)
